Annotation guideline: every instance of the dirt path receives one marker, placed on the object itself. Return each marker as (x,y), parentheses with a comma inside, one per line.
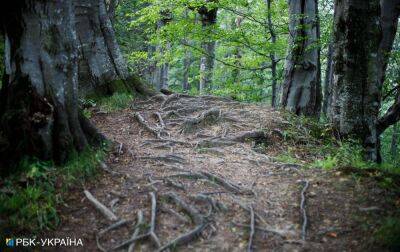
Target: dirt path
(194,160)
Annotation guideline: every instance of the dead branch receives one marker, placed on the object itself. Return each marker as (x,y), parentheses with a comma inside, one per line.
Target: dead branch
(139,225)
(252,230)
(145,125)
(303,210)
(99,206)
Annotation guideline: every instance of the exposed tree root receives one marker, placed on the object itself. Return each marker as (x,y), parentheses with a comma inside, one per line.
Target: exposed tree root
(99,206)
(169,158)
(185,238)
(252,230)
(108,229)
(139,226)
(150,234)
(207,117)
(193,213)
(257,136)
(145,125)
(216,180)
(174,213)
(160,120)
(303,211)
(266,230)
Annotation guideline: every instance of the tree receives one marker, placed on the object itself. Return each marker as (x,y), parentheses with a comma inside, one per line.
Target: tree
(53,49)
(208,18)
(39,98)
(302,85)
(328,81)
(272,55)
(356,86)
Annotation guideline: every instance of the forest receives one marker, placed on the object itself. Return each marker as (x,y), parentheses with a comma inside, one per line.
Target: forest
(206,125)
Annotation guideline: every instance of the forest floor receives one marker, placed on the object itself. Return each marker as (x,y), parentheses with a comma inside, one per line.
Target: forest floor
(202,172)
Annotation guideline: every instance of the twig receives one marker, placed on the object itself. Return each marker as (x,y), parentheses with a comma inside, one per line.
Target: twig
(252,230)
(303,210)
(99,206)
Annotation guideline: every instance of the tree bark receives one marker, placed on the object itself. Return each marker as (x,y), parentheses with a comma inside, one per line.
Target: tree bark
(302,84)
(356,85)
(208,18)
(390,11)
(39,98)
(328,82)
(102,68)
(272,55)
(187,61)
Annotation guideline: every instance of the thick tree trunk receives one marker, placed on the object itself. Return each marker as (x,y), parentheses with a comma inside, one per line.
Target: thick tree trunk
(39,98)
(102,68)
(208,19)
(328,82)
(356,85)
(302,85)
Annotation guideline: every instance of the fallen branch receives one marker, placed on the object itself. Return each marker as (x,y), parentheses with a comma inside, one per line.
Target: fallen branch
(303,210)
(99,206)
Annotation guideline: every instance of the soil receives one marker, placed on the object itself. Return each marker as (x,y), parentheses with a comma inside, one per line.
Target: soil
(205,136)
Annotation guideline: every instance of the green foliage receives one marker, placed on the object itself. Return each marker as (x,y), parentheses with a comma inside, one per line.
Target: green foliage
(388,234)
(29,198)
(112,103)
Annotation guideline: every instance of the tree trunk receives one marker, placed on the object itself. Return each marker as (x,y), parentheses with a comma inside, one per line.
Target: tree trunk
(102,68)
(328,81)
(187,61)
(272,55)
(39,98)
(395,142)
(301,87)
(208,18)
(356,85)
(390,11)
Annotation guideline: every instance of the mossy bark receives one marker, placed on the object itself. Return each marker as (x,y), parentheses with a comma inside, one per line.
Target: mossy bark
(302,84)
(39,99)
(356,86)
